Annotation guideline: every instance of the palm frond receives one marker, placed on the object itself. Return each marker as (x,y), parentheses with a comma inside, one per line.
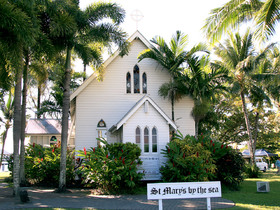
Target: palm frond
(267,18)
(100,10)
(229,16)
(89,54)
(109,34)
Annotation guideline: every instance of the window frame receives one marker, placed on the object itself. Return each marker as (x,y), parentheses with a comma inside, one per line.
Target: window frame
(156,138)
(144,83)
(138,135)
(146,145)
(128,89)
(136,85)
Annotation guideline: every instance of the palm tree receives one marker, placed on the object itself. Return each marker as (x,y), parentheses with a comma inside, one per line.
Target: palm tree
(173,57)
(241,60)
(90,54)
(272,85)
(16,33)
(265,15)
(173,91)
(66,29)
(38,76)
(202,82)
(7,111)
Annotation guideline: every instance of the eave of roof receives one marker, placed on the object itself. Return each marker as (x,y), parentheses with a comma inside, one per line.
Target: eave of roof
(127,116)
(135,35)
(43,127)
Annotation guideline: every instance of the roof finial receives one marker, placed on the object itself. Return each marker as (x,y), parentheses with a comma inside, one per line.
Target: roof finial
(137,16)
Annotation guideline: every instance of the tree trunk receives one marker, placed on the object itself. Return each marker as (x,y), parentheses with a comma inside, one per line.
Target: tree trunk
(65,117)
(196,121)
(256,131)
(172,108)
(17,132)
(23,122)
(85,70)
(4,137)
(39,102)
(248,127)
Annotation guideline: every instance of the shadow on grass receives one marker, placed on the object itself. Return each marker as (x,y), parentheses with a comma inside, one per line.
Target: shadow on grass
(248,197)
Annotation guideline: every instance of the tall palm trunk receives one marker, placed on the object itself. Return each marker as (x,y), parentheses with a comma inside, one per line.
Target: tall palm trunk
(39,101)
(4,137)
(85,71)
(17,131)
(247,121)
(65,116)
(172,106)
(256,130)
(196,123)
(23,122)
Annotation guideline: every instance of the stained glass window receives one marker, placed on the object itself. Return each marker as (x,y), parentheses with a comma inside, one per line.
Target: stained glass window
(138,137)
(136,79)
(101,124)
(154,140)
(146,140)
(53,140)
(144,82)
(128,83)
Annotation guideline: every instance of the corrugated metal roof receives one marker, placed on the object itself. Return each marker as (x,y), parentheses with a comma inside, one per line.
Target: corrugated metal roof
(43,126)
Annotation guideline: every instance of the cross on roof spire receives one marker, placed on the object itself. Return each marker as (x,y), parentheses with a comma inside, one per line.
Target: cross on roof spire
(137,16)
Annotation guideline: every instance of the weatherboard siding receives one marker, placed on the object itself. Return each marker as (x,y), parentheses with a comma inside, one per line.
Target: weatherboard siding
(109,101)
(150,119)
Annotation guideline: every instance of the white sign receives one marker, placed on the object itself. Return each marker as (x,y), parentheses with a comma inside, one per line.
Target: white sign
(184,190)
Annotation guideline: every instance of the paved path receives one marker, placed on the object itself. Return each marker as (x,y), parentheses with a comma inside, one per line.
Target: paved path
(42,197)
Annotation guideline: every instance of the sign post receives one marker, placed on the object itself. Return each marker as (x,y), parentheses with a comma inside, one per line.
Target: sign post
(181,190)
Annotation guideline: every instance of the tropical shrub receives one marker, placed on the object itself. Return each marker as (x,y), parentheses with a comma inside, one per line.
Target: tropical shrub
(42,165)
(230,164)
(230,169)
(252,171)
(112,168)
(202,159)
(188,160)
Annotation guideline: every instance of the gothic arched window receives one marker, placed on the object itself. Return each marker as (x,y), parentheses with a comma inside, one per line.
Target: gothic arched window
(128,83)
(101,131)
(138,137)
(144,82)
(136,79)
(154,140)
(146,140)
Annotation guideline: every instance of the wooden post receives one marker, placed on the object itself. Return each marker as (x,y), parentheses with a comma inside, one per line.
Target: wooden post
(160,204)
(208,203)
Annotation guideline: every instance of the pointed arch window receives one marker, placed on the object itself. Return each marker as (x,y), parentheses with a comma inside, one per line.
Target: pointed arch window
(128,83)
(101,131)
(154,140)
(138,137)
(136,79)
(144,83)
(146,140)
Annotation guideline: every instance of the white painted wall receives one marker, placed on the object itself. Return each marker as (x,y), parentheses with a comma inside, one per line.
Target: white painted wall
(109,101)
(43,140)
(151,161)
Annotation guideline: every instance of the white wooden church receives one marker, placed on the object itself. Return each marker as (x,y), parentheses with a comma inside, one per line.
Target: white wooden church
(126,107)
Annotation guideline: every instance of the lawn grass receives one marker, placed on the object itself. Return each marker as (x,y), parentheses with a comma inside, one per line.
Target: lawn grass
(4,175)
(249,198)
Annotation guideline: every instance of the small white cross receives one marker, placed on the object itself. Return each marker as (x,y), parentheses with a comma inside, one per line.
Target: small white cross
(137,16)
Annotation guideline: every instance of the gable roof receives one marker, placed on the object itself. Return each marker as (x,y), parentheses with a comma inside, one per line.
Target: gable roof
(127,116)
(136,35)
(43,127)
